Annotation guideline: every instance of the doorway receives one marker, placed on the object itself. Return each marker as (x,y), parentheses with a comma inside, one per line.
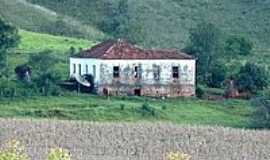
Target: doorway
(137,92)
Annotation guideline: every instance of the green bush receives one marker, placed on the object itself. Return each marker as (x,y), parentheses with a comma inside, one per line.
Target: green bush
(252,78)
(13,150)
(261,116)
(11,88)
(178,156)
(146,109)
(59,154)
(199,92)
(164,107)
(44,76)
(217,76)
(122,106)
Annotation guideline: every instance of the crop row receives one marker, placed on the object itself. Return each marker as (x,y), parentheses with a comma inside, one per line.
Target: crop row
(135,141)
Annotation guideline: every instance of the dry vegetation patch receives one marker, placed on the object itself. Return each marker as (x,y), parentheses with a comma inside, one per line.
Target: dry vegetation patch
(135,141)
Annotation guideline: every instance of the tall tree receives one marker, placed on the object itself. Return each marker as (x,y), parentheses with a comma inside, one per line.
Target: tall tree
(108,23)
(123,20)
(9,39)
(43,71)
(206,45)
(120,24)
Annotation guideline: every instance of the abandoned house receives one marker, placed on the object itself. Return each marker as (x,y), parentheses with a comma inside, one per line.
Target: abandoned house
(120,68)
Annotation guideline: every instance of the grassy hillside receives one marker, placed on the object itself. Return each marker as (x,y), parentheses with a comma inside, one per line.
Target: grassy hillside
(32,43)
(35,42)
(40,19)
(233,113)
(167,23)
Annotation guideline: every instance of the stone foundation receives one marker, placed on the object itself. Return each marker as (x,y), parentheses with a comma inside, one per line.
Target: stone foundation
(148,90)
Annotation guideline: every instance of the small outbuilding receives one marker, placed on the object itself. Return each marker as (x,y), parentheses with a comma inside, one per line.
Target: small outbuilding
(120,68)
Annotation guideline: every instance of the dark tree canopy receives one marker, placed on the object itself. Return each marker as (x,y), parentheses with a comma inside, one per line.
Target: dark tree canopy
(252,78)
(9,39)
(43,61)
(206,45)
(238,45)
(119,24)
(43,71)
(217,76)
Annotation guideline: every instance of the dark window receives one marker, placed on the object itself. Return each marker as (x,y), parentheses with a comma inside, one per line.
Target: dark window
(116,71)
(80,69)
(86,69)
(94,71)
(175,71)
(74,68)
(105,91)
(136,74)
(137,92)
(156,72)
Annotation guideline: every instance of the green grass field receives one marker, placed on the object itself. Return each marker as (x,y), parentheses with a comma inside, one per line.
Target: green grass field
(232,113)
(36,42)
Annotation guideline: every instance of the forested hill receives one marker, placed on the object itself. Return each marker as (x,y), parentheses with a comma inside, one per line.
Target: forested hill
(165,23)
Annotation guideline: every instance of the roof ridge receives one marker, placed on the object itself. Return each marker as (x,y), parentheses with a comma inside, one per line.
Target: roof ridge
(122,49)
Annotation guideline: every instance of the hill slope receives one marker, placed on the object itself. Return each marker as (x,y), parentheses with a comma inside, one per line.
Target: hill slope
(37,18)
(32,43)
(167,23)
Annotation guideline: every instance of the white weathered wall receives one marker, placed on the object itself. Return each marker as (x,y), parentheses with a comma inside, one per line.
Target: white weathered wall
(186,70)
(104,70)
(84,62)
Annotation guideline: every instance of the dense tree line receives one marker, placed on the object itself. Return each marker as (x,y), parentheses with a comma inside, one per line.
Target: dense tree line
(214,51)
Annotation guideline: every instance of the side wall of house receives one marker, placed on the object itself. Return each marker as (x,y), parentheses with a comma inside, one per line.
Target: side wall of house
(82,66)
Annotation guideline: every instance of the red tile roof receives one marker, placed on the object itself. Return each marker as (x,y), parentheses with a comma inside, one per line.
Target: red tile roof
(121,49)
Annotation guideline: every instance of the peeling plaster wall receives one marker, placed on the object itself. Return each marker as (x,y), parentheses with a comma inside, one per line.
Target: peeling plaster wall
(126,83)
(186,70)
